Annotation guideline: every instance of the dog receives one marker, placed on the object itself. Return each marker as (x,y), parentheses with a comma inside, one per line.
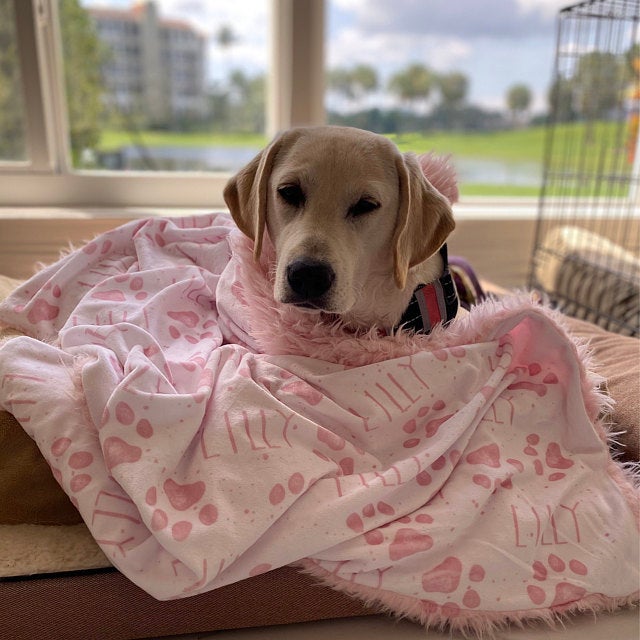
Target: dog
(356,226)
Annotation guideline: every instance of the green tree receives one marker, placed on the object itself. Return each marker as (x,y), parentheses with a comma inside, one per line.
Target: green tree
(518,101)
(339,80)
(597,84)
(220,108)
(453,89)
(84,56)
(12,126)
(413,85)
(560,99)
(247,99)
(354,84)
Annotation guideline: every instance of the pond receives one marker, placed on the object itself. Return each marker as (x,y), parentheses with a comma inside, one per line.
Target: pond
(173,158)
(498,172)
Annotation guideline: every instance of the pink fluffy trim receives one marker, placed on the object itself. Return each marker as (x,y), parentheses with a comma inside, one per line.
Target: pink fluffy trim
(469,623)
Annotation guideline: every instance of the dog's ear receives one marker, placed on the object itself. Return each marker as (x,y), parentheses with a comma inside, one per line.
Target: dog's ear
(246,193)
(425,218)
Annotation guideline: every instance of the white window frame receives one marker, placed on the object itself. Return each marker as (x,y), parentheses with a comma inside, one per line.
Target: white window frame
(48,179)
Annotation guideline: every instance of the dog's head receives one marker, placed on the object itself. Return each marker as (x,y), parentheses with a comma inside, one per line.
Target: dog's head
(342,206)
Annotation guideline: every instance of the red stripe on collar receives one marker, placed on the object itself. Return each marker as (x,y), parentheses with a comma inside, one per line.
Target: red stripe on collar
(432,303)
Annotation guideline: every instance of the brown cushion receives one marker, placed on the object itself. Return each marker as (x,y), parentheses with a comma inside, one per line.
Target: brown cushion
(617,359)
(29,493)
(106,605)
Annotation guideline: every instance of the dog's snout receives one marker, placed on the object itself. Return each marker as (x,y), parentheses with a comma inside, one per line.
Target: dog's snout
(309,278)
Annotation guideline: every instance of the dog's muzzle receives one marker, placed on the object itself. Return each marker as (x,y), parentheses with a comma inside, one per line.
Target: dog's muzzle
(309,280)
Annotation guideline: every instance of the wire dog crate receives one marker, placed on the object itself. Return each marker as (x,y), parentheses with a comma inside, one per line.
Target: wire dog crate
(587,239)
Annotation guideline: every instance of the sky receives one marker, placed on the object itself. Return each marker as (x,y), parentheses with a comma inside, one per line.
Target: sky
(495,43)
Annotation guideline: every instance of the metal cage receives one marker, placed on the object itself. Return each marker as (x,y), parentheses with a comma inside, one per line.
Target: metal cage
(585,255)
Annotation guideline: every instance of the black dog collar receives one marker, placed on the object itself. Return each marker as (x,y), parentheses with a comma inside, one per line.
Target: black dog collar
(432,303)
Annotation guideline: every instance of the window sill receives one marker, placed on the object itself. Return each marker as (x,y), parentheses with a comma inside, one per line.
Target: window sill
(477,208)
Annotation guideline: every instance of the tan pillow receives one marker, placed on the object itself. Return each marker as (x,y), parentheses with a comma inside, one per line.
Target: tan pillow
(617,358)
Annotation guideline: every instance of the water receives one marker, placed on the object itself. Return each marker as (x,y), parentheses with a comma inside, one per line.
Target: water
(498,172)
(192,158)
(230,159)
(170,158)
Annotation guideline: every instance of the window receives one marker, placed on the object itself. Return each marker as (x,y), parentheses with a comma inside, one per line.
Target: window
(87,146)
(139,88)
(465,77)
(174,117)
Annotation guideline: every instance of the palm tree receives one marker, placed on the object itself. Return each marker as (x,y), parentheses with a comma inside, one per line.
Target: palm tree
(453,89)
(225,37)
(413,85)
(354,84)
(518,101)
(453,92)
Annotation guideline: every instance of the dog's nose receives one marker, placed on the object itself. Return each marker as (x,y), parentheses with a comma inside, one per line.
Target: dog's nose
(309,279)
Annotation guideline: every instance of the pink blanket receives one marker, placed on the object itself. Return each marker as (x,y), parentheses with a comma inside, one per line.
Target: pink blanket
(208,434)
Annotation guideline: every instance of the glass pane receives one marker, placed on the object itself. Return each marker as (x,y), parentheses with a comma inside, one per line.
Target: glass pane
(12,118)
(449,77)
(165,85)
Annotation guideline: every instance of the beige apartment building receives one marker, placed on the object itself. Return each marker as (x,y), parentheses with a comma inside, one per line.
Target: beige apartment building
(156,67)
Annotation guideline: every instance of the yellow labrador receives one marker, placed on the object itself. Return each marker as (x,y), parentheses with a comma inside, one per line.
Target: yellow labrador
(355,224)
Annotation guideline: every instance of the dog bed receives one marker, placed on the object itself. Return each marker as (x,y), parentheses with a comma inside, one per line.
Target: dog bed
(208,435)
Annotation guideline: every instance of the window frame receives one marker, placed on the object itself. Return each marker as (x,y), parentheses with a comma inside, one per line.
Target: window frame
(48,179)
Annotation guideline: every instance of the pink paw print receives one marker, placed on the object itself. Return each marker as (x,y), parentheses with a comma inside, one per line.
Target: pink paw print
(489,456)
(565,592)
(553,458)
(295,485)
(184,498)
(446,578)
(537,382)
(355,521)
(429,425)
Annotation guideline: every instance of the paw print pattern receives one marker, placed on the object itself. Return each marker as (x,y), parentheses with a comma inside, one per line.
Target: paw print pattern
(553,458)
(446,578)
(79,462)
(488,456)
(408,542)
(429,426)
(182,498)
(403,541)
(552,462)
(295,485)
(537,382)
(564,592)
(356,523)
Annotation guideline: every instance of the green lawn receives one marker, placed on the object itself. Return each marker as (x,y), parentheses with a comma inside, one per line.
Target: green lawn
(521,145)
(518,146)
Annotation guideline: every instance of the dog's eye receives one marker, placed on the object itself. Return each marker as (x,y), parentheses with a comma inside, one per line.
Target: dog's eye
(292,194)
(362,207)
